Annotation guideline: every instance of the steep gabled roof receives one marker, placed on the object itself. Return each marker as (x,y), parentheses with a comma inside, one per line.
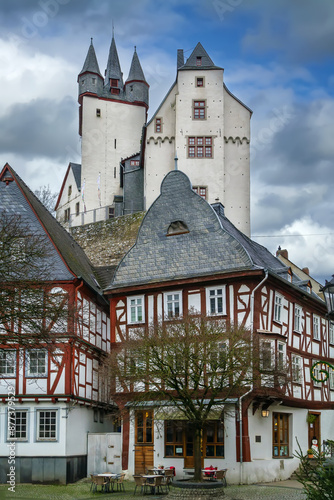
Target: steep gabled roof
(206,61)
(91,65)
(136,72)
(68,259)
(76,169)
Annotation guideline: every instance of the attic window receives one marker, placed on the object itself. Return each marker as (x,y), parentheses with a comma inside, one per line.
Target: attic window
(177,227)
(198,61)
(98,112)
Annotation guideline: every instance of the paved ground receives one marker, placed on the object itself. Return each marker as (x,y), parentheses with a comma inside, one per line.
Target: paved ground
(281,490)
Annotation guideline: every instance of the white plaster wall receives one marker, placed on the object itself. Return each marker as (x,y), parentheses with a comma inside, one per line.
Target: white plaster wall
(69,201)
(80,422)
(118,121)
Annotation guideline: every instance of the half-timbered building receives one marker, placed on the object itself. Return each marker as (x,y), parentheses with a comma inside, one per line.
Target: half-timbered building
(190,259)
(51,396)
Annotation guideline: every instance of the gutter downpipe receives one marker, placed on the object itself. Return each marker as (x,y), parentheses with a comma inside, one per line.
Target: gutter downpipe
(250,390)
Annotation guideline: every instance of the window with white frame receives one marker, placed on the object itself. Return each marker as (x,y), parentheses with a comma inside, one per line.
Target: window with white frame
(316,328)
(281,354)
(216,300)
(36,363)
(46,425)
(136,309)
(17,425)
(296,368)
(278,308)
(7,362)
(316,374)
(331,332)
(267,349)
(298,319)
(173,304)
(331,379)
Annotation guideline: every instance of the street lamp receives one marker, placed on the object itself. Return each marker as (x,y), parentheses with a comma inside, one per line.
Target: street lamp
(328,291)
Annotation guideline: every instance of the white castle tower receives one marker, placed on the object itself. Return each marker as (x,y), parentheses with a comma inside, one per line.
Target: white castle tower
(124,158)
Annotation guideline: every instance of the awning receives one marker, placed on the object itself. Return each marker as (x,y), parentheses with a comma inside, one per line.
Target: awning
(175,413)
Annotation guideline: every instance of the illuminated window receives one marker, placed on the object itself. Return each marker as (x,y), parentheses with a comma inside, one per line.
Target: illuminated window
(144,427)
(280,435)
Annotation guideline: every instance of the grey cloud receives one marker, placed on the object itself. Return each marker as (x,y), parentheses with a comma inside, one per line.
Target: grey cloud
(41,127)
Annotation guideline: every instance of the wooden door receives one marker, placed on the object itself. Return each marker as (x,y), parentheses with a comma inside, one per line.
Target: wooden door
(189,449)
(143,458)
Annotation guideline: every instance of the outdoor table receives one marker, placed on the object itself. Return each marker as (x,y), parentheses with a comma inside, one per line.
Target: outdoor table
(150,479)
(209,473)
(109,476)
(156,470)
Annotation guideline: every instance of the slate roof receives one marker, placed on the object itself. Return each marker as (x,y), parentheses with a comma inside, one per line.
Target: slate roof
(212,244)
(76,169)
(113,66)
(91,65)
(204,250)
(136,72)
(206,62)
(67,259)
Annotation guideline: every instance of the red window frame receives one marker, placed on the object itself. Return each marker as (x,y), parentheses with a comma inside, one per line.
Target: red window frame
(199,147)
(158,125)
(201,190)
(199,110)
(199,82)
(198,61)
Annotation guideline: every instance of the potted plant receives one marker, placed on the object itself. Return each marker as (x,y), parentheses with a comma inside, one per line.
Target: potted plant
(310,453)
(311,418)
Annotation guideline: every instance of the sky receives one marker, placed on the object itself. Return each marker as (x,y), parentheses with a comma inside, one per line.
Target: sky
(278,58)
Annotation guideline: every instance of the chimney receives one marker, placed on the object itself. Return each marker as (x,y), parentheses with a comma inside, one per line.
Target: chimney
(180,58)
(306,270)
(283,252)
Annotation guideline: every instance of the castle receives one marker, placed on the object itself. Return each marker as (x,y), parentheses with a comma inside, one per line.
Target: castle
(200,127)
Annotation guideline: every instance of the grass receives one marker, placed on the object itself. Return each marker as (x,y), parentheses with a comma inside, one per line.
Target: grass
(79,490)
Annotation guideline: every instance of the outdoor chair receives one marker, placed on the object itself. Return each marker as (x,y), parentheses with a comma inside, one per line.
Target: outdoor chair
(119,483)
(221,476)
(92,481)
(100,481)
(169,473)
(166,482)
(158,484)
(140,483)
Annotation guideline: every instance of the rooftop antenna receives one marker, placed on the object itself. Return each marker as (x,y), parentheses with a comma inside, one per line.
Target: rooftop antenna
(175,159)
(113,28)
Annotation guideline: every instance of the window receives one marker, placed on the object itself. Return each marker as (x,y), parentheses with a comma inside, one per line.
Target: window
(298,319)
(7,363)
(280,356)
(218,358)
(316,328)
(94,81)
(296,366)
(199,110)
(331,379)
(174,438)
(113,82)
(201,191)
(17,425)
(317,374)
(200,82)
(69,190)
(278,308)
(199,147)
(98,112)
(215,300)
(173,304)
(36,361)
(266,355)
(144,427)
(67,214)
(134,163)
(136,309)
(198,61)
(158,125)
(280,435)
(77,208)
(46,425)
(213,442)
(331,332)
(111,212)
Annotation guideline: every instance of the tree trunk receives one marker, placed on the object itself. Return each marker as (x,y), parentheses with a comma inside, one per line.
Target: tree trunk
(198,454)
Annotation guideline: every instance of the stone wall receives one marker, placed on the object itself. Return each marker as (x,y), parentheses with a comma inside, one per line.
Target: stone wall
(106,242)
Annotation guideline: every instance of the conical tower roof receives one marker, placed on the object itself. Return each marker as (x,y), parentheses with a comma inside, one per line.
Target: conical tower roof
(91,64)
(136,72)
(113,66)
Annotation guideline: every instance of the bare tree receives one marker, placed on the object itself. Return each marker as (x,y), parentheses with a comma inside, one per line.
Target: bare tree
(32,310)
(47,197)
(194,364)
